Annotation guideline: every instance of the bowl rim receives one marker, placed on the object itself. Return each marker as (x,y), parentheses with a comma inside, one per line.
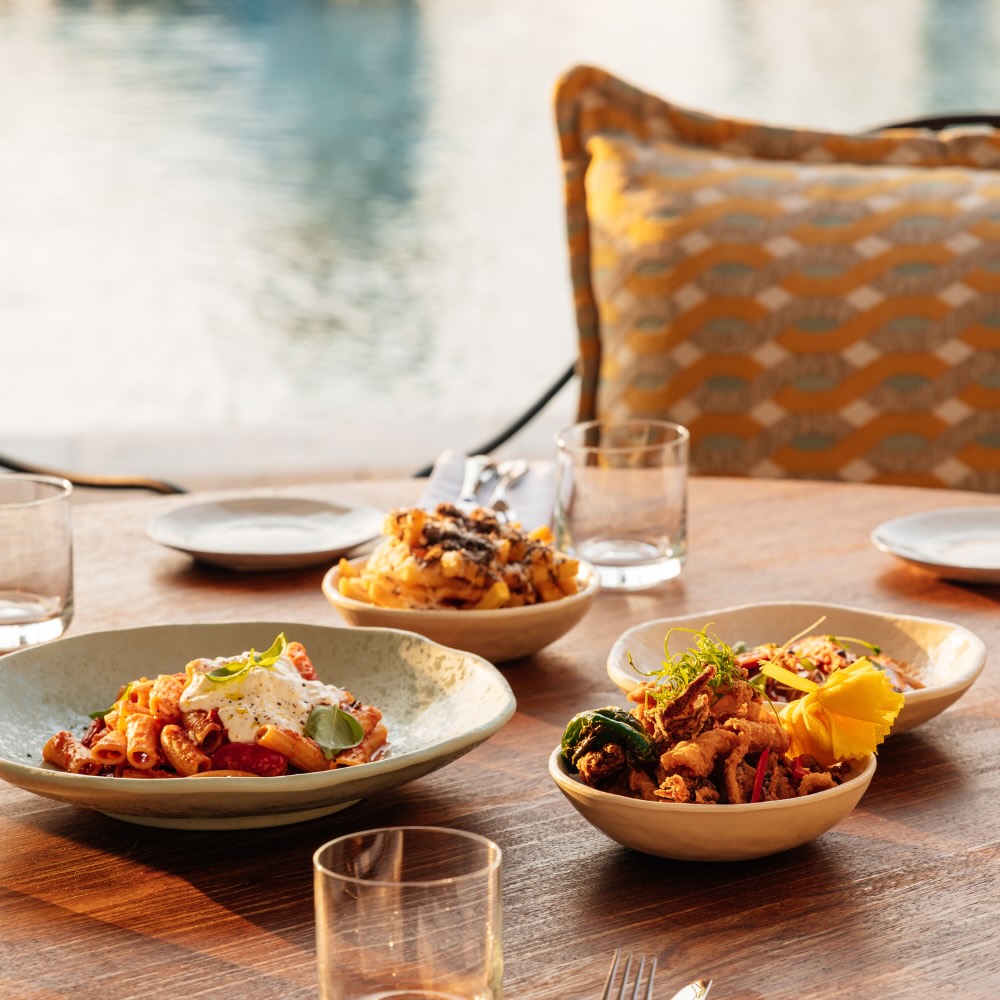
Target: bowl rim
(586,573)
(959,682)
(568,782)
(503,711)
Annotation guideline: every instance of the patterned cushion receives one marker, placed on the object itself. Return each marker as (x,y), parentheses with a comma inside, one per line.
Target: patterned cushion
(809,304)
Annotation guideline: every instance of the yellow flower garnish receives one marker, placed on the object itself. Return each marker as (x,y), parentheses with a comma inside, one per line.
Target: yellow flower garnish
(845,718)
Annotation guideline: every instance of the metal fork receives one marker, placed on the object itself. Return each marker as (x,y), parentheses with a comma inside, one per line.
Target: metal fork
(479,470)
(622,992)
(510,472)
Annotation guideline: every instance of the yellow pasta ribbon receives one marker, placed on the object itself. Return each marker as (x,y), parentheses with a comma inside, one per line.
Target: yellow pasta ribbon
(846,717)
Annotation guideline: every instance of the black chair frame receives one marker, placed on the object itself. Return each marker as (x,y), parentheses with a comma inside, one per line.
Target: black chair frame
(93,482)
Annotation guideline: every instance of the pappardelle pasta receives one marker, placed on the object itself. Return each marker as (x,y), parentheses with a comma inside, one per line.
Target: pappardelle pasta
(251,715)
(446,559)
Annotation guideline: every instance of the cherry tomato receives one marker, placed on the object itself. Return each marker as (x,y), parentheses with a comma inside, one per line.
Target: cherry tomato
(250,757)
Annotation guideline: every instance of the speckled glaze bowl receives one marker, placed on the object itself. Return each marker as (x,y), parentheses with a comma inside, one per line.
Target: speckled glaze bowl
(437,704)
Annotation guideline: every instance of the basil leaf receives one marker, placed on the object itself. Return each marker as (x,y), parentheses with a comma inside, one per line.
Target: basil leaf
(237,668)
(334,729)
(229,671)
(123,693)
(271,656)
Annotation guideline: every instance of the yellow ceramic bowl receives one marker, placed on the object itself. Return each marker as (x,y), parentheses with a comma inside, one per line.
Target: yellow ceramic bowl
(498,635)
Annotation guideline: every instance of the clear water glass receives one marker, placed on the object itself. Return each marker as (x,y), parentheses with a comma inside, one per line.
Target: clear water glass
(621,499)
(36,559)
(409,913)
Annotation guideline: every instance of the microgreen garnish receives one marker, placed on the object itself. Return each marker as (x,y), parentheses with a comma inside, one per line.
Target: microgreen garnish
(679,669)
(334,729)
(237,668)
(845,640)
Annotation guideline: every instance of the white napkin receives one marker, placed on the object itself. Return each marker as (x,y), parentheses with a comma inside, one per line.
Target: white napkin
(532,497)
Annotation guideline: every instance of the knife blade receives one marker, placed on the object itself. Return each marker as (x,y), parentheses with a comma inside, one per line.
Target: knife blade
(697,990)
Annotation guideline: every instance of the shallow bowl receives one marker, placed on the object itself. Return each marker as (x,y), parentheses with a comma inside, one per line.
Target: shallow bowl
(946,657)
(437,704)
(688,832)
(498,635)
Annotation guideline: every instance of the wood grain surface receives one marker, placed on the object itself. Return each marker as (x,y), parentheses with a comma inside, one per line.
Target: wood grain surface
(901,900)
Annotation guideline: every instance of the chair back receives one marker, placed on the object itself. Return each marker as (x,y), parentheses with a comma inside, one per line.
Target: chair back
(809,304)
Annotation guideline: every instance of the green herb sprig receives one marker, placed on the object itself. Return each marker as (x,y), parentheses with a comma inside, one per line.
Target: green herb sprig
(237,668)
(679,669)
(846,640)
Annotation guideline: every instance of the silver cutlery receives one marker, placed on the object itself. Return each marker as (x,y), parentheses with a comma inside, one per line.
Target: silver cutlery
(697,990)
(510,471)
(611,987)
(479,470)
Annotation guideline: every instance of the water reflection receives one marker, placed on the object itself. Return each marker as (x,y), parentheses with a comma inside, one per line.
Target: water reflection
(240,212)
(958,42)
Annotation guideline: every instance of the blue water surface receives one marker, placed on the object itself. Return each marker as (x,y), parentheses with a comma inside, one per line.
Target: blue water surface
(264,212)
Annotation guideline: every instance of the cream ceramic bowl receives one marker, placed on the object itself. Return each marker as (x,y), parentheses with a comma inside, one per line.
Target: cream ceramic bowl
(499,635)
(687,832)
(945,656)
(437,704)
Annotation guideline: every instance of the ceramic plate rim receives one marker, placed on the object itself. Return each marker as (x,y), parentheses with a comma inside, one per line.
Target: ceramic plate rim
(960,681)
(911,552)
(166,529)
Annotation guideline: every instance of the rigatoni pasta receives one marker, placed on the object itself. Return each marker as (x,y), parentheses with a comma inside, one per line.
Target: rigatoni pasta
(254,714)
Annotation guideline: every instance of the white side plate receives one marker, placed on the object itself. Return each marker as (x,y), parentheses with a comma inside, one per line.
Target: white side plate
(264,533)
(960,543)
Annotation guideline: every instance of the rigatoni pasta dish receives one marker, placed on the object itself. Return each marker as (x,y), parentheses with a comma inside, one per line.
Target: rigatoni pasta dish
(250,715)
(449,560)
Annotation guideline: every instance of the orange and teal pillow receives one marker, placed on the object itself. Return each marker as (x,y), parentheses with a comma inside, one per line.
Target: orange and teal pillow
(808,304)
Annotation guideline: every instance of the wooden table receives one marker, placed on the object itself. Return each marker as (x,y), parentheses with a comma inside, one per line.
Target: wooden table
(901,900)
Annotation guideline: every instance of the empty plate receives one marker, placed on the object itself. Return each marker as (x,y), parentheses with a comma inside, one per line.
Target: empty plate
(260,533)
(958,543)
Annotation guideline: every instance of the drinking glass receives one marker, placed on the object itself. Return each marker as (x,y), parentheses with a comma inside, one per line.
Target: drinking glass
(621,499)
(407,913)
(36,559)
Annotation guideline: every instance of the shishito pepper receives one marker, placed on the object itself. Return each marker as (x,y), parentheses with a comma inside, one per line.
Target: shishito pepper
(592,730)
(845,718)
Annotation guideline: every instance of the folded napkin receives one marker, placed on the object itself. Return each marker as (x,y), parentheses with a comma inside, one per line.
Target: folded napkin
(532,497)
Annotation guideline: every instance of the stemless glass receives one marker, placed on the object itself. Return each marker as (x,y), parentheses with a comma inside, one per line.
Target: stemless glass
(621,499)
(36,559)
(409,913)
